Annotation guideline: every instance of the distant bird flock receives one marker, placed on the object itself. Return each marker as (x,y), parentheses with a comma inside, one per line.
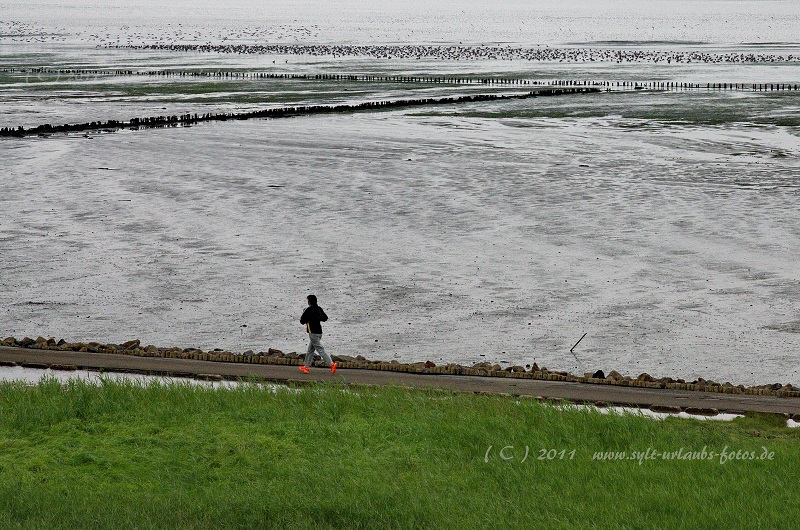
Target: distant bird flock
(472,53)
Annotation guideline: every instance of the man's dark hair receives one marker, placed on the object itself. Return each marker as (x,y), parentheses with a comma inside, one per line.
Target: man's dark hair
(312,299)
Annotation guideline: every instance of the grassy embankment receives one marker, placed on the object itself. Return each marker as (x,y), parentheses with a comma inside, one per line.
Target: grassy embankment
(124,455)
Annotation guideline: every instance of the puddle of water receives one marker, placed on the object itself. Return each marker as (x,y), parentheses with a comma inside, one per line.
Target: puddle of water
(662,415)
(791,424)
(34,376)
(655,415)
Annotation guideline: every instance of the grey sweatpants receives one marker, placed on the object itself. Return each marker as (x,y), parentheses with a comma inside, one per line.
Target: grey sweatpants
(315,344)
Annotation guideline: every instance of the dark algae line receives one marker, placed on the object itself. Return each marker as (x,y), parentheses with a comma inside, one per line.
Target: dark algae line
(279,112)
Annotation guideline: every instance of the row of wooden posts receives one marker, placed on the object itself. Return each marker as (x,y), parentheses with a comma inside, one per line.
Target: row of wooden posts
(655,85)
(278,112)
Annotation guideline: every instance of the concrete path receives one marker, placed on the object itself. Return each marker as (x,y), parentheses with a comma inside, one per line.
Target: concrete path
(575,392)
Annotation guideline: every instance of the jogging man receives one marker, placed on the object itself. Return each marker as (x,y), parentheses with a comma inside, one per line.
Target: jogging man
(312,317)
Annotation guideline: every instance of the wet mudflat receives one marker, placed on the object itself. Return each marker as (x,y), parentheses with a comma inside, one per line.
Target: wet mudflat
(662,224)
(428,236)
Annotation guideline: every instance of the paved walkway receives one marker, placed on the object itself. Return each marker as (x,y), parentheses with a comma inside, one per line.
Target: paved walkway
(576,392)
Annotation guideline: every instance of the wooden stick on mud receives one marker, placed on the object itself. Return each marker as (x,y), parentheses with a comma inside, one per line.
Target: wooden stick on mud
(579,340)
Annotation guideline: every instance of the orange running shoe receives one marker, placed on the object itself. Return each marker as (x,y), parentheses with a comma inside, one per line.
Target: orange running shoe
(305,370)
(333,368)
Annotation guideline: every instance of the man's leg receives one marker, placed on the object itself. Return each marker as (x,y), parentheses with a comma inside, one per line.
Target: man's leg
(316,341)
(310,352)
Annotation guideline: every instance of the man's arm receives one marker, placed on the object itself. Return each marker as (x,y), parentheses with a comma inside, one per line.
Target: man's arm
(322,316)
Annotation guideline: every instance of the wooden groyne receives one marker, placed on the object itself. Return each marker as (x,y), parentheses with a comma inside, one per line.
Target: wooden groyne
(423,80)
(183,120)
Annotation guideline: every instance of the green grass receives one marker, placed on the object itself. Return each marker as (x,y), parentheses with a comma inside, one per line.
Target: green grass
(125,455)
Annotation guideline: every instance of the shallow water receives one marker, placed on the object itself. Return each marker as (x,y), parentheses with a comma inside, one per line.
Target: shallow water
(658,415)
(662,224)
(33,376)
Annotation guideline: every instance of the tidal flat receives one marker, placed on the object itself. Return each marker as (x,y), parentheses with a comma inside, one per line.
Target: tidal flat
(661,223)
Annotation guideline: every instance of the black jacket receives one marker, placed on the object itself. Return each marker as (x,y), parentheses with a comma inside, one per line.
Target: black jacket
(312,317)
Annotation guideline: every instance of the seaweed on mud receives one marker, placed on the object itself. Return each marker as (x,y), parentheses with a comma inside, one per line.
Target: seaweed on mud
(788,327)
